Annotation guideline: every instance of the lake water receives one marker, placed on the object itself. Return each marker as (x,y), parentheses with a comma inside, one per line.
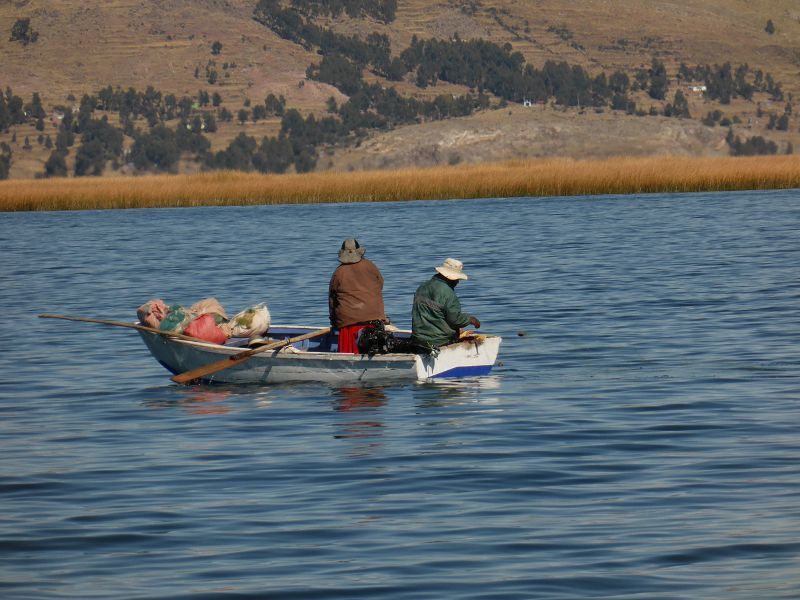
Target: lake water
(640,439)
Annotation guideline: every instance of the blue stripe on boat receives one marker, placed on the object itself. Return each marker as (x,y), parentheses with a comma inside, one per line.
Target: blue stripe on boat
(465,371)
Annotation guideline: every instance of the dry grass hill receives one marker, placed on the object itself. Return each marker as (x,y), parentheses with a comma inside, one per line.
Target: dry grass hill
(83,47)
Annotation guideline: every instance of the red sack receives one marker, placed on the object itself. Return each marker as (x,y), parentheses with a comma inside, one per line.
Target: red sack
(205,328)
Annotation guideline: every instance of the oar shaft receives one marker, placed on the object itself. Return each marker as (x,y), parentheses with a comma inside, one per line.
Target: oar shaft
(232,360)
(122,324)
(204,370)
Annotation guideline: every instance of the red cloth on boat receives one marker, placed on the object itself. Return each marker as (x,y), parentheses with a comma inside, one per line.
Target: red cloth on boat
(205,328)
(348,337)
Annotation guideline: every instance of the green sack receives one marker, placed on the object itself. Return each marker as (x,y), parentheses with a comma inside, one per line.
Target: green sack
(176,319)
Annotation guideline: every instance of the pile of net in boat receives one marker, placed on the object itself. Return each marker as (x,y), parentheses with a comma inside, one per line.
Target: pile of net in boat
(205,320)
(374,339)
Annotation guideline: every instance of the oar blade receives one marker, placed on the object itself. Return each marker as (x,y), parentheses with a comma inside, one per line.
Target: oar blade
(200,372)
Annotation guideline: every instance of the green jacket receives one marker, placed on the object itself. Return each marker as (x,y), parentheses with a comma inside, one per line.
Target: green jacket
(436,315)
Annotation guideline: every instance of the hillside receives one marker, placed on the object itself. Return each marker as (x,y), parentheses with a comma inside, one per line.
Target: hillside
(168,45)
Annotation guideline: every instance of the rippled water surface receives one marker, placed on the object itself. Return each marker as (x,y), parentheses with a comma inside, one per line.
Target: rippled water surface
(640,437)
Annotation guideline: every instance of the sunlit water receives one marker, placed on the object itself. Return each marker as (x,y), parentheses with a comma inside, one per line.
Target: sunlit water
(639,438)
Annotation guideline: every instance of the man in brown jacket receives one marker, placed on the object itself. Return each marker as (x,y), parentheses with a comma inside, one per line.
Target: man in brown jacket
(355,295)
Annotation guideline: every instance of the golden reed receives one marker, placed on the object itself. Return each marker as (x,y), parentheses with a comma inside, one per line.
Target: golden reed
(545,177)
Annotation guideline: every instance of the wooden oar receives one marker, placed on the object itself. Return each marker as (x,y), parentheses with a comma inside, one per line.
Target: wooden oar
(235,359)
(180,336)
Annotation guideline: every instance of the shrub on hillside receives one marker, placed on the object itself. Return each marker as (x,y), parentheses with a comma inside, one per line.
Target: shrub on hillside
(755,145)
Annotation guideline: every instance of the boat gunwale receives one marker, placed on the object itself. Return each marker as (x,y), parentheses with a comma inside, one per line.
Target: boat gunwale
(277,354)
(302,354)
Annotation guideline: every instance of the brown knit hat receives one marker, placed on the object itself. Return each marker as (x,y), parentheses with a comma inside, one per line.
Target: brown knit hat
(351,252)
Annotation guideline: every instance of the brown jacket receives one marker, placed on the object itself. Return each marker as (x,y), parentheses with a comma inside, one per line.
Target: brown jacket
(355,294)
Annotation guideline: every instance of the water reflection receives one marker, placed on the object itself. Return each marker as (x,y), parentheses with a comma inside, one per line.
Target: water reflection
(357,397)
(453,392)
(198,400)
(359,400)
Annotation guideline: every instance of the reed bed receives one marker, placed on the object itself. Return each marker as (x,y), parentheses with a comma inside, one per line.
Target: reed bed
(546,177)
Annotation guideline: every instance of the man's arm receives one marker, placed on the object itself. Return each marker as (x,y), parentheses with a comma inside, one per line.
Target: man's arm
(453,314)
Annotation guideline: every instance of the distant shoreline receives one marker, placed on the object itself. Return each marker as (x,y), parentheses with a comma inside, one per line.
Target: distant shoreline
(543,177)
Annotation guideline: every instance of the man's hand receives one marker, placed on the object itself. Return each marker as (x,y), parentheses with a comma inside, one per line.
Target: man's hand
(475,322)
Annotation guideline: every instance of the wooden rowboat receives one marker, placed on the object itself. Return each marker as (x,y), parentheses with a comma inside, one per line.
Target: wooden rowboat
(316,359)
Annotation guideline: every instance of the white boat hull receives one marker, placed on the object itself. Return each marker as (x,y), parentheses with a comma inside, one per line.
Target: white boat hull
(471,357)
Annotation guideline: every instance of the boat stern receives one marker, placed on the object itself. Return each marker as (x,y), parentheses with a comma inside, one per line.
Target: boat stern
(474,355)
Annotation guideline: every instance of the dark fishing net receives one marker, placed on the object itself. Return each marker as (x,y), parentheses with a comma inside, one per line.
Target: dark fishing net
(374,339)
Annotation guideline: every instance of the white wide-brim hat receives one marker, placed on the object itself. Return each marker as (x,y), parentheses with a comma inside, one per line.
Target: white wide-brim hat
(452,269)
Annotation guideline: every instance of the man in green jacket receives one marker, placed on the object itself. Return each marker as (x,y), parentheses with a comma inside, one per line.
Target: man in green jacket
(436,316)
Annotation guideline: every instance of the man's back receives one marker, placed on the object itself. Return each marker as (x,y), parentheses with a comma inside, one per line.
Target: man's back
(436,315)
(356,294)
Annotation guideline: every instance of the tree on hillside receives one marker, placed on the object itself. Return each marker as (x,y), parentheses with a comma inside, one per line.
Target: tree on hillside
(34,108)
(619,82)
(640,79)
(225,115)
(685,73)
(64,139)
(711,119)
(56,165)
(5,160)
(259,112)
(330,105)
(680,106)
(22,32)
(274,155)
(658,80)
(339,72)
(770,28)
(85,112)
(622,102)
(216,48)
(752,146)
(773,120)
(237,156)
(720,84)
(90,159)
(14,106)
(275,106)
(100,142)
(189,137)
(157,150)
(5,117)
(395,70)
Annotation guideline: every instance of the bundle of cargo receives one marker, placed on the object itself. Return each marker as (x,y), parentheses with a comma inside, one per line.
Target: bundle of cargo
(205,320)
